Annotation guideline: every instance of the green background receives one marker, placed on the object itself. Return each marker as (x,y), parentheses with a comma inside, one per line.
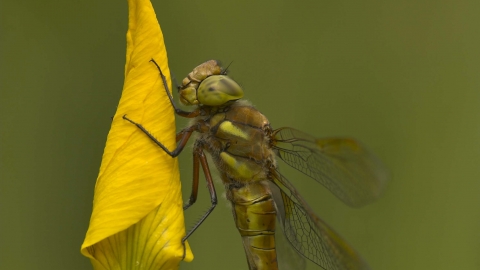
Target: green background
(402,76)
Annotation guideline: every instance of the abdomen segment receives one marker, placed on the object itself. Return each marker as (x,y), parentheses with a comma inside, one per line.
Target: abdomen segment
(255,217)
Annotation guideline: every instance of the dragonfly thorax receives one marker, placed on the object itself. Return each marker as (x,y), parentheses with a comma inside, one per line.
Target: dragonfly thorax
(238,141)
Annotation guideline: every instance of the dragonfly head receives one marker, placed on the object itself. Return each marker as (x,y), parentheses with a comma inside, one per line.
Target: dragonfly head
(209,85)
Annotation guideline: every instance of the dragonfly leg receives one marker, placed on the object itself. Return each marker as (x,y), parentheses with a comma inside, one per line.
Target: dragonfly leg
(196,174)
(178,111)
(199,157)
(174,81)
(182,137)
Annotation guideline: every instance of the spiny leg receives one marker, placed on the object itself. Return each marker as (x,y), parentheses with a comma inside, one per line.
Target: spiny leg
(182,136)
(196,176)
(178,111)
(199,157)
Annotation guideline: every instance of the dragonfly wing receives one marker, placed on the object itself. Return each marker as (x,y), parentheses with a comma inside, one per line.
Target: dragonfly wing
(309,235)
(287,256)
(342,165)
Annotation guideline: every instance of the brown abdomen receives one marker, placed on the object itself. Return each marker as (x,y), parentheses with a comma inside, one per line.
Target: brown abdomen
(255,217)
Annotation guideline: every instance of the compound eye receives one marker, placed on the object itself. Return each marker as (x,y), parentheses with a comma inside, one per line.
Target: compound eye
(217,90)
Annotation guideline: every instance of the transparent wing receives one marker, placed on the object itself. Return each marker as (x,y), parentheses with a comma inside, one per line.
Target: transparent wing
(342,165)
(287,256)
(308,234)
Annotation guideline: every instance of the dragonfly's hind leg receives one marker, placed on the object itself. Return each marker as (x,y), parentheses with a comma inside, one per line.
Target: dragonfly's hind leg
(200,158)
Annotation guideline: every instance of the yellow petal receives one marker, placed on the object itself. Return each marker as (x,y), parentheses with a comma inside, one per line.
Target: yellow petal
(137,220)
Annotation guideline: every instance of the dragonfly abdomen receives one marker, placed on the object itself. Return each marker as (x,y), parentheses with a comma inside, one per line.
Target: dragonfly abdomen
(255,216)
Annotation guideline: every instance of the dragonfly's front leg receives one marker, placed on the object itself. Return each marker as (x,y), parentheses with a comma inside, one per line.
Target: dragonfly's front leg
(182,137)
(178,111)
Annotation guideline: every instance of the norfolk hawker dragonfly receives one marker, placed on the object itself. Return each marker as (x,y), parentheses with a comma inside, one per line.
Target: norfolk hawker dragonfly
(245,150)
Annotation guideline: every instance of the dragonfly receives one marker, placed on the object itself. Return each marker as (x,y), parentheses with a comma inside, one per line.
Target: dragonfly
(245,150)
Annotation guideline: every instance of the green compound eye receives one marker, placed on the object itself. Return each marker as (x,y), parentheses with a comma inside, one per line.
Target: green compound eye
(217,90)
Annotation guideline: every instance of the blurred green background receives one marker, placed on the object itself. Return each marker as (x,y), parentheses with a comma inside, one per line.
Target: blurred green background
(402,76)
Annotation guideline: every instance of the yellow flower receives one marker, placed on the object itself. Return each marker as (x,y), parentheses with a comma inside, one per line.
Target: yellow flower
(137,220)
